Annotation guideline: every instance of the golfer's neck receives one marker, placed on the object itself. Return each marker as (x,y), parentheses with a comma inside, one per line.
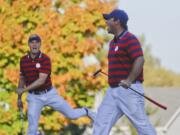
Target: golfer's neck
(118,32)
(33,55)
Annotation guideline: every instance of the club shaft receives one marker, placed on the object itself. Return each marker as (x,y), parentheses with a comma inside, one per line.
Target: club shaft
(21,117)
(22,120)
(149,99)
(104,73)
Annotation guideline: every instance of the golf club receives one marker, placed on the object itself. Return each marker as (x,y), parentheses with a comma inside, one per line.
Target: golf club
(149,99)
(21,115)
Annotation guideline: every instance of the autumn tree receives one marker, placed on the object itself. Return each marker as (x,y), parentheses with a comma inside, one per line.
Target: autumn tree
(72,32)
(69,31)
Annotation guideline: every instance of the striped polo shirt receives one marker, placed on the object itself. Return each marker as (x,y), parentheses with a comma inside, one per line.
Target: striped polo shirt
(122,53)
(30,69)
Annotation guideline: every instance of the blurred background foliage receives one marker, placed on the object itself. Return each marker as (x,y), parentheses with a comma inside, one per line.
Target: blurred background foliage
(73,35)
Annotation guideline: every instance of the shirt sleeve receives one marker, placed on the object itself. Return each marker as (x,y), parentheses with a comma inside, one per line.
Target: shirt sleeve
(134,48)
(45,66)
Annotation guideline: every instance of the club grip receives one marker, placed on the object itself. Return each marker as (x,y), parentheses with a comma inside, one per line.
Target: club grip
(156,103)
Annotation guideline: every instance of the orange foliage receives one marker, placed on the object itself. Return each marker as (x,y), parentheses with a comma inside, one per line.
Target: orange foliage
(70,101)
(81,120)
(12,75)
(61,90)
(66,37)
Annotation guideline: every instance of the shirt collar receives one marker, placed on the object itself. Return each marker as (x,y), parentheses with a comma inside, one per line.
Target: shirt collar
(39,55)
(120,35)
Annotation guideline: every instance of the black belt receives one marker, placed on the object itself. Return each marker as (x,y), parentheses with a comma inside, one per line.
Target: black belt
(39,92)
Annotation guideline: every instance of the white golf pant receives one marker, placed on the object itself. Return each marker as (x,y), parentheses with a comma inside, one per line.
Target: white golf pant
(118,102)
(52,99)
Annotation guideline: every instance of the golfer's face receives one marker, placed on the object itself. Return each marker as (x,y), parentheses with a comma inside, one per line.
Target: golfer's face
(34,46)
(111,25)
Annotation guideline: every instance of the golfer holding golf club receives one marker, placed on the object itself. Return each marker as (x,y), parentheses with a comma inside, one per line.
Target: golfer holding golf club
(125,69)
(35,78)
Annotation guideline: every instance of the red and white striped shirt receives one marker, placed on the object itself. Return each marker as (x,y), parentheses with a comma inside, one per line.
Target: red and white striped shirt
(30,69)
(122,53)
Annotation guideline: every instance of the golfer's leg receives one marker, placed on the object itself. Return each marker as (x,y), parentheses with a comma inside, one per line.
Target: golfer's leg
(107,116)
(59,104)
(134,110)
(34,111)
(140,120)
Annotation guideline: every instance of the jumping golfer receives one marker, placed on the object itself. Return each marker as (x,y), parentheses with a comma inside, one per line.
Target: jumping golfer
(125,69)
(35,78)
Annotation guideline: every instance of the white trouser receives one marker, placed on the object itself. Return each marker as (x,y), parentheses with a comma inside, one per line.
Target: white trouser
(118,102)
(52,99)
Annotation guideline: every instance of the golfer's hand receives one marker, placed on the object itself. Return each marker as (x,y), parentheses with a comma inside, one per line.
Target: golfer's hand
(20,91)
(125,83)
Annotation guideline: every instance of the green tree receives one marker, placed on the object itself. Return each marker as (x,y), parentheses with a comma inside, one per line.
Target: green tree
(69,33)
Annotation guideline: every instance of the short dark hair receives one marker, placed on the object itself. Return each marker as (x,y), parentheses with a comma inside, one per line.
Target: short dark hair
(34,37)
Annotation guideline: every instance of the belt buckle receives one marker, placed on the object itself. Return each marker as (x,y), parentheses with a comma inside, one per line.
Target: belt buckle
(38,92)
(41,92)
(45,91)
